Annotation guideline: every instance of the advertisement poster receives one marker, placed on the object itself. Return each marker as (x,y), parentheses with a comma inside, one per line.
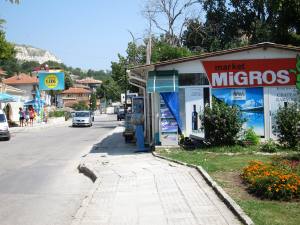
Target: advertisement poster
(138,105)
(250,102)
(194,106)
(168,125)
(51,81)
(279,97)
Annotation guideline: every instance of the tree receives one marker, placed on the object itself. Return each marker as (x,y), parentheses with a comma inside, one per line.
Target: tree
(68,80)
(7,51)
(109,90)
(93,101)
(163,51)
(169,16)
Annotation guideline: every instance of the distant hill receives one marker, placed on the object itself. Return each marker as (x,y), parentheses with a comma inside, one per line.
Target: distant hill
(29,53)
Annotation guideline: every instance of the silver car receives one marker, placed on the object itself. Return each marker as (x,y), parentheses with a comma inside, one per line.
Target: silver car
(82,118)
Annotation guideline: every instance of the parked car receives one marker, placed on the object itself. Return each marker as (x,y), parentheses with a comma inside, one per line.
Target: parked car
(82,118)
(4,128)
(121,114)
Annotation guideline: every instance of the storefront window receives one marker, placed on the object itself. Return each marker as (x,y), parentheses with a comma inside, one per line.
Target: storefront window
(190,79)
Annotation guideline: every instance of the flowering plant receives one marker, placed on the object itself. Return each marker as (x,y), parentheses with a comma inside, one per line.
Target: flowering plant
(270,181)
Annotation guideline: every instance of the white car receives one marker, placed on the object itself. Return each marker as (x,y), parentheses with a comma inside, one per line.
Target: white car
(4,128)
(82,118)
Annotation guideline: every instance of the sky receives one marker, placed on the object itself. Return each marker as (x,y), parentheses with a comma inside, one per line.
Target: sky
(87,34)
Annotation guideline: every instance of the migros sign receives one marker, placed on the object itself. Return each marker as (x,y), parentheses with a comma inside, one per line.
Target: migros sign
(251,73)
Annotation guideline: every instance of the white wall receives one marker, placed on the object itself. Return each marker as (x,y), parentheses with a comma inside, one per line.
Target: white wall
(28,90)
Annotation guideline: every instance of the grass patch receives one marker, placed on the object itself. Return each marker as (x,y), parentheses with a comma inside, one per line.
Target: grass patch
(214,161)
(225,165)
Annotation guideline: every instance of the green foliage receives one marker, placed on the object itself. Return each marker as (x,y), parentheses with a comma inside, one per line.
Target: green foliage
(163,51)
(269,146)
(288,125)
(56,113)
(222,123)
(109,90)
(93,102)
(80,106)
(68,81)
(251,137)
(7,51)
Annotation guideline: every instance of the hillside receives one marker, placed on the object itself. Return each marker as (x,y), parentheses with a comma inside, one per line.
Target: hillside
(29,53)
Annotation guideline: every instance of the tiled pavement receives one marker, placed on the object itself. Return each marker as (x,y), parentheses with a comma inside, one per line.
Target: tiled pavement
(139,189)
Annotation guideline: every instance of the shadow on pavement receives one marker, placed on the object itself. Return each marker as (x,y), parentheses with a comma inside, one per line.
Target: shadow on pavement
(114,144)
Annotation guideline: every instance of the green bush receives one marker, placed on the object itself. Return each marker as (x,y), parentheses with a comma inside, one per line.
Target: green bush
(56,114)
(251,137)
(269,146)
(288,125)
(80,106)
(222,123)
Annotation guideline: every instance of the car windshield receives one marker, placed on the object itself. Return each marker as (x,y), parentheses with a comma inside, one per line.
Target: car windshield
(82,114)
(2,118)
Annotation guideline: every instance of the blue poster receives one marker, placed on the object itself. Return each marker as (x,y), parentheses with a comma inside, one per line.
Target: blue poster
(51,81)
(249,100)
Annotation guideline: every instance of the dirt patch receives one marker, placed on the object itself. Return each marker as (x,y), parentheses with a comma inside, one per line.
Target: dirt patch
(232,183)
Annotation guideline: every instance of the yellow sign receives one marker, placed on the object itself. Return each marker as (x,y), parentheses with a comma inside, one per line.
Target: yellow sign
(51,81)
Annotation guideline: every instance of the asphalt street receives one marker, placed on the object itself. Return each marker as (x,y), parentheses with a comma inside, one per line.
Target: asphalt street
(39,180)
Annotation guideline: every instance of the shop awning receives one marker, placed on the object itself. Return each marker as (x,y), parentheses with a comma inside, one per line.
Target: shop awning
(7,98)
(162,81)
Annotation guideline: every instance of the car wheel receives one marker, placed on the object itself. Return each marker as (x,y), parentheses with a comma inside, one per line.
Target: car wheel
(7,139)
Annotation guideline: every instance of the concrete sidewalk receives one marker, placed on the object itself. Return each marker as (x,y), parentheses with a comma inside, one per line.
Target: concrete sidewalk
(144,190)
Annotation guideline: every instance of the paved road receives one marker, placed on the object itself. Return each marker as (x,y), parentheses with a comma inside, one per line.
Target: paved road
(39,181)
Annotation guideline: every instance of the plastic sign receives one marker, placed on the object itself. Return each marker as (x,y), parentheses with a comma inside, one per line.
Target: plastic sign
(296,72)
(51,81)
(251,73)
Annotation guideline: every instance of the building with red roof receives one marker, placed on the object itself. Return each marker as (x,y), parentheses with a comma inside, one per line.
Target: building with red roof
(24,82)
(75,95)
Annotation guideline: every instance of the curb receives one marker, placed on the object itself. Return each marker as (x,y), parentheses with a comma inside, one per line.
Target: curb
(81,211)
(21,129)
(231,204)
(89,172)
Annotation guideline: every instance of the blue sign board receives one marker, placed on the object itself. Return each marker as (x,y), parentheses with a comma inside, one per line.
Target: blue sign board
(51,81)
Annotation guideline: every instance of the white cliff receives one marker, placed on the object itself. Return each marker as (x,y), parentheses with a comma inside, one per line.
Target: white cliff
(29,53)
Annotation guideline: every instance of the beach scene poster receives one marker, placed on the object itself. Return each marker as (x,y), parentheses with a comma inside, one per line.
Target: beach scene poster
(249,100)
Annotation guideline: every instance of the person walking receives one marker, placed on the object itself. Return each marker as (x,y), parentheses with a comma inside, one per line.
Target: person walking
(31,116)
(21,117)
(26,117)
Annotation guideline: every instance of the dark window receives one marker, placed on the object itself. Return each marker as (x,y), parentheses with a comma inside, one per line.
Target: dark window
(2,118)
(190,79)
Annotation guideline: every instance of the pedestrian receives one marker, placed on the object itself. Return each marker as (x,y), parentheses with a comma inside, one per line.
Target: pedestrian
(21,117)
(31,116)
(26,117)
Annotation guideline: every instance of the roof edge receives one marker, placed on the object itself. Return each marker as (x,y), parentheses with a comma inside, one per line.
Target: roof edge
(218,53)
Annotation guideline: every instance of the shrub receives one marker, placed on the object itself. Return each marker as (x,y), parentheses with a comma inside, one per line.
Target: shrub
(288,125)
(270,181)
(269,146)
(56,114)
(251,137)
(80,106)
(222,123)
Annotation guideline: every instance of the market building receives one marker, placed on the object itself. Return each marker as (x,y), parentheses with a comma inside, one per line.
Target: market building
(258,79)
